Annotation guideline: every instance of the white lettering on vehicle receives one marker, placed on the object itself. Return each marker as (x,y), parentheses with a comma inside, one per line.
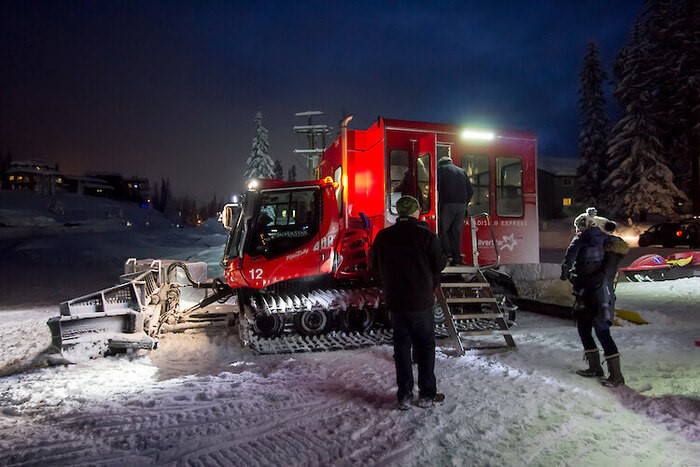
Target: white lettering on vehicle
(296,254)
(325,242)
(507,241)
(256,273)
(510,222)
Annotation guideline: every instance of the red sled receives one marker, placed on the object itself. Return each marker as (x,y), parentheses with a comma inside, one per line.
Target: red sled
(650,268)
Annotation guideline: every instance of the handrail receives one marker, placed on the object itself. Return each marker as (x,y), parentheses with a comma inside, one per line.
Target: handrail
(475,244)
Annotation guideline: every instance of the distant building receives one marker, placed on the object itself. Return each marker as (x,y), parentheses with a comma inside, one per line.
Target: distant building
(138,191)
(556,187)
(126,189)
(44,177)
(33,175)
(91,186)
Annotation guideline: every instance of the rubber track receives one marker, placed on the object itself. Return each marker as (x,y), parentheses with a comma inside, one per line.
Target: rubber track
(338,340)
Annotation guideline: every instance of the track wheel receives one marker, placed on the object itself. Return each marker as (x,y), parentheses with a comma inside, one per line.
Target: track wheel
(270,325)
(357,320)
(311,322)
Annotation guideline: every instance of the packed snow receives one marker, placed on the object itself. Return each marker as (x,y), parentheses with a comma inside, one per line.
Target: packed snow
(201,399)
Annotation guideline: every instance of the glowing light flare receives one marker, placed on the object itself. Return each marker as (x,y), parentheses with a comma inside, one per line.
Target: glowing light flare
(252,185)
(679,233)
(479,135)
(329,181)
(363,182)
(631,238)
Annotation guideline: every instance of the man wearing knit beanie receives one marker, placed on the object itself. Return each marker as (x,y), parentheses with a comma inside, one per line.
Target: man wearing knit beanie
(409,260)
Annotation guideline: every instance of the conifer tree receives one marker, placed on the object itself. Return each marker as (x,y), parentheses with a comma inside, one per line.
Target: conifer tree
(292,174)
(640,181)
(674,29)
(155,199)
(592,168)
(279,171)
(260,164)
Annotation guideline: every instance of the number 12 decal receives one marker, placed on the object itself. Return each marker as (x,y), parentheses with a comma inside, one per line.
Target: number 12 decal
(256,273)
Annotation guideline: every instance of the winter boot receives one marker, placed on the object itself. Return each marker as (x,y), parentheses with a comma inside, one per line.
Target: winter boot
(594,368)
(615,378)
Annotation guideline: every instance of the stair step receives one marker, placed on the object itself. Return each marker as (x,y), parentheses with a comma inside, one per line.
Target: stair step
(459,270)
(471,300)
(491,332)
(488,303)
(477,316)
(447,285)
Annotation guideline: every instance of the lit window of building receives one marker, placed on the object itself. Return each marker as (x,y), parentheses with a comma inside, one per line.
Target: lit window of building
(566,202)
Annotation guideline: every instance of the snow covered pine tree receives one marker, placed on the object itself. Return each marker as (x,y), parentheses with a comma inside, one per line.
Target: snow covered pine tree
(593,129)
(640,181)
(259,163)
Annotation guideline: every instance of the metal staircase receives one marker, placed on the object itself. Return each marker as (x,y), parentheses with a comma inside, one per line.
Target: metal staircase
(473,317)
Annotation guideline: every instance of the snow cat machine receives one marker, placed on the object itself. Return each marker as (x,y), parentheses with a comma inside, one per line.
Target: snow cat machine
(296,261)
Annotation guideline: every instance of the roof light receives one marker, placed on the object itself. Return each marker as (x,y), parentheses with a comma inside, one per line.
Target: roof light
(478,134)
(252,185)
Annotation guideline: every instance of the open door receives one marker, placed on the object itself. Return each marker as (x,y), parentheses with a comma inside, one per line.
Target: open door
(424,167)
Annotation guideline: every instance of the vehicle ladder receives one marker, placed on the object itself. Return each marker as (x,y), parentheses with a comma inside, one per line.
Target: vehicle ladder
(471,311)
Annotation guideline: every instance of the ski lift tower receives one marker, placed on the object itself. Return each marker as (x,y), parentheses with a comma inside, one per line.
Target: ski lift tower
(316,137)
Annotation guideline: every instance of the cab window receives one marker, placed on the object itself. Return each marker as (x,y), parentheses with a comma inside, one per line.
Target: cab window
(423,180)
(399,176)
(509,186)
(285,221)
(477,168)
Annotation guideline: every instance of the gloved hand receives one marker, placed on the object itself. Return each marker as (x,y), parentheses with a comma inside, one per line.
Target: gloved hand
(564,273)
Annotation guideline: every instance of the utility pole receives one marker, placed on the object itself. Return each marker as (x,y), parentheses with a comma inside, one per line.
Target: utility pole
(316,140)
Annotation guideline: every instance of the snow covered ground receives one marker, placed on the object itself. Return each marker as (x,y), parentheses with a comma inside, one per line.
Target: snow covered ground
(203,400)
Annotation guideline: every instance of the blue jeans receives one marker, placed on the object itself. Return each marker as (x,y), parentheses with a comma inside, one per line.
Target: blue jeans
(586,322)
(414,330)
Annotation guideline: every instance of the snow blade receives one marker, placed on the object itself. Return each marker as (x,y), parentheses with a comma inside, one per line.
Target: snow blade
(565,312)
(631,316)
(130,315)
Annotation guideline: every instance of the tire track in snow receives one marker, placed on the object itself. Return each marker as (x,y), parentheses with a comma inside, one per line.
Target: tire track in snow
(308,416)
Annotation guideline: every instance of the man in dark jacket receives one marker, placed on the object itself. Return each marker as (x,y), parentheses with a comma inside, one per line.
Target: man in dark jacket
(454,193)
(408,258)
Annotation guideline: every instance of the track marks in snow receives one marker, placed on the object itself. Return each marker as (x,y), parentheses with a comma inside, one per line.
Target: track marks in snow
(299,412)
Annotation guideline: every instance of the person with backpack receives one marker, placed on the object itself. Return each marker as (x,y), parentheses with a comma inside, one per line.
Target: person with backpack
(590,264)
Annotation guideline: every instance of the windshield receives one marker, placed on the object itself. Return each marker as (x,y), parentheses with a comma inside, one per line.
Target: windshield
(285,220)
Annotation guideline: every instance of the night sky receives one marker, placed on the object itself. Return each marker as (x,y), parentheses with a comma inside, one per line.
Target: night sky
(170,89)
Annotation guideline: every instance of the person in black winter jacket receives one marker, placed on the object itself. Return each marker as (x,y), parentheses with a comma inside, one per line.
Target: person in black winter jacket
(593,281)
(454,193)
(409,260)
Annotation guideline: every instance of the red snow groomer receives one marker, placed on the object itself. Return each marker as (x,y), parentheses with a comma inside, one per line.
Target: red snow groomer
(296,259)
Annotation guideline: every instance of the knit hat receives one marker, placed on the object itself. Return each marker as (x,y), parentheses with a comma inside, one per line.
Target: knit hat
(407,205)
